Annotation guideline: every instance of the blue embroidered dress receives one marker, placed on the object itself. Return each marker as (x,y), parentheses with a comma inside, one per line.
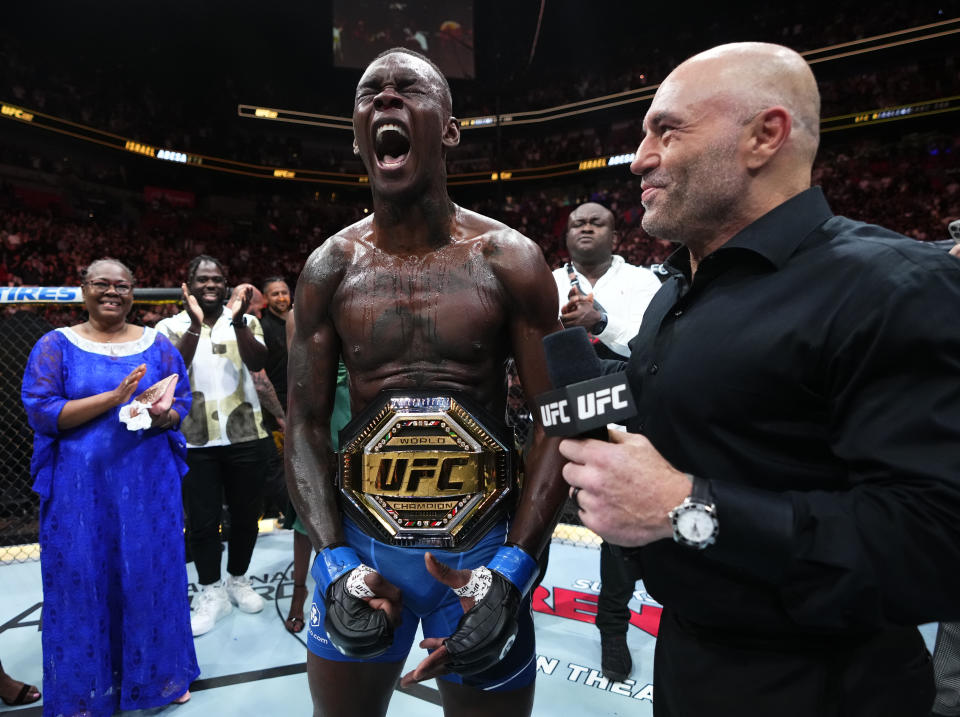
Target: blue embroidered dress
(116,616)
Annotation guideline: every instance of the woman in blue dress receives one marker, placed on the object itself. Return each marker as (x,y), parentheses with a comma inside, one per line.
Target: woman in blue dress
(116,616)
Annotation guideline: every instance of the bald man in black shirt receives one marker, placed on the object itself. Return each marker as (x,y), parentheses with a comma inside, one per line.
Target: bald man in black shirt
(793,473)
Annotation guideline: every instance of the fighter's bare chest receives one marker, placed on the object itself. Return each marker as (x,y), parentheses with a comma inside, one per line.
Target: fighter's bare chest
(398,303)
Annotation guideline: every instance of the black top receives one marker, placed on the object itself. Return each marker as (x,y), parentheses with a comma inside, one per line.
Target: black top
(811,371)
(275,336)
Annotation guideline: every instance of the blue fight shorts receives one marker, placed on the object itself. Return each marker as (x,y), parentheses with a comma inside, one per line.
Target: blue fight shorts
(432,602)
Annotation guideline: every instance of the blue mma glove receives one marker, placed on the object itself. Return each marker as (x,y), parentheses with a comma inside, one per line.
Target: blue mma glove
(487,631)
(354,628)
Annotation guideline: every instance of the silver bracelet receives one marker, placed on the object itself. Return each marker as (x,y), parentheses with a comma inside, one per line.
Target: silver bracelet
(194,333)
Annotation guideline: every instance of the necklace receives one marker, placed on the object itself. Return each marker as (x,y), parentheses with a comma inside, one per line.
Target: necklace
(101,337)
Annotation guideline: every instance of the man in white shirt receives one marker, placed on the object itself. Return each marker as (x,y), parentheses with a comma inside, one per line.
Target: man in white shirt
(227,446)
(604,294)
(598,290)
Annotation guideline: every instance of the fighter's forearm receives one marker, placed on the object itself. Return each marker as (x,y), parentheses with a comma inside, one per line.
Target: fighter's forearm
(310,467)
(543,494)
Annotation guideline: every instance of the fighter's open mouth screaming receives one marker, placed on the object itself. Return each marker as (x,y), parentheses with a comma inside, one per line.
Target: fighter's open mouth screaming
(392,145)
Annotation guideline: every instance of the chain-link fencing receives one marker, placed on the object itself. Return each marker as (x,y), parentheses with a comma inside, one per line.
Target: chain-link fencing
(29,313)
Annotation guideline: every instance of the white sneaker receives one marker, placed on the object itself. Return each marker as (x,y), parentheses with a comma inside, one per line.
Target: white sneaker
(209,606)
(242,595)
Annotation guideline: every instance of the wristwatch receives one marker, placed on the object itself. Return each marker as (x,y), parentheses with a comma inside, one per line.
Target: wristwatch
(598,327)
(241,322)
(695,519)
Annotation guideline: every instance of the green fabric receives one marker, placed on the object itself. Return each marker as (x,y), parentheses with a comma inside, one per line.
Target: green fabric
(341,406)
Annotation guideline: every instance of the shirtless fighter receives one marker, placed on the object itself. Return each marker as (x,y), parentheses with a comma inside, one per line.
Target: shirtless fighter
(425,301)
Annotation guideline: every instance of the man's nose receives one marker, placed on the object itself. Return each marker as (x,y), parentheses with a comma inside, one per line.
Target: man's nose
(387,99)
(645,158)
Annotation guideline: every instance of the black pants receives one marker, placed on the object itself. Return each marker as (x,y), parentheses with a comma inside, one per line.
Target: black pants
(237,473)
(275,496)
(888,674)
(617,581)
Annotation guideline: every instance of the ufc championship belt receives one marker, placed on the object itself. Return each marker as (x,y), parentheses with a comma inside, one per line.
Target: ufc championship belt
(428,469)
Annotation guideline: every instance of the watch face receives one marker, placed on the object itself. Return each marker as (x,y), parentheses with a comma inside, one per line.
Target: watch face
(695,525)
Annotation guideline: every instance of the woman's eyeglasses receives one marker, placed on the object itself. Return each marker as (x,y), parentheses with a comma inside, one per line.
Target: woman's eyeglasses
(100,287)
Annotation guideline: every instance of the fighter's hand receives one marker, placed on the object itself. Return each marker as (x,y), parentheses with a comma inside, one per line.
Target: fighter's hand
(580,310)
(434,664)
(488,628)
(240,300)
(122,394)
(624,488)
(192,306)
(363,608)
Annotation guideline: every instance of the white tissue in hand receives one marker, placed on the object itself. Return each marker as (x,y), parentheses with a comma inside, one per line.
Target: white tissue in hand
(136,416)
(155,401)
(159,397)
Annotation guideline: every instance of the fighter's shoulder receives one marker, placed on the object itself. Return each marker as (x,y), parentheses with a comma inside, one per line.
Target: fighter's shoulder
(337,252)
(499,242)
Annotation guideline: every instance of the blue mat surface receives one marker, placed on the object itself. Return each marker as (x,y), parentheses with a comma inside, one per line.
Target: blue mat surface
(252,666)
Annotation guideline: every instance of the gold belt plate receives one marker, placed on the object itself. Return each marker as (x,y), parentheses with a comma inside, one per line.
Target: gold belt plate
(424,471)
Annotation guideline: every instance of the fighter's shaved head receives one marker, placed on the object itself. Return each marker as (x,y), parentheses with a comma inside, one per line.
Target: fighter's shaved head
(443,87)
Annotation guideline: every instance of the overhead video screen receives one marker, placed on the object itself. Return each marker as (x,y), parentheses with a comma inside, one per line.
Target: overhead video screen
(440,29)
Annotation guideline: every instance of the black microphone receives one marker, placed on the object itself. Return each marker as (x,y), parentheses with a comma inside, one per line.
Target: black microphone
(583,401)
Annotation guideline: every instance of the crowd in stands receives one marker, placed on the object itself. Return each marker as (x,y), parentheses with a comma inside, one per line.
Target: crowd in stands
(912,186)
(478,151)
(172,115)
(279,146)
(635,65)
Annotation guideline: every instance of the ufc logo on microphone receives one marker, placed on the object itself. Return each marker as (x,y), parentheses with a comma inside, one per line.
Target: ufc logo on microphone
(596,403)
(587,405)
(555,413)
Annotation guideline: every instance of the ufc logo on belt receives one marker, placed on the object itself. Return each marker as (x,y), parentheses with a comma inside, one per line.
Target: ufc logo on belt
(421,475)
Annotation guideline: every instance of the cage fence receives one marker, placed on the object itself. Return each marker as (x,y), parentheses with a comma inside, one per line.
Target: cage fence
(27,314)
(30,312)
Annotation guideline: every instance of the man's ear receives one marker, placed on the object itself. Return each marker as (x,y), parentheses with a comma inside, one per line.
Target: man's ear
(356,148)
(451,132)
(766,135)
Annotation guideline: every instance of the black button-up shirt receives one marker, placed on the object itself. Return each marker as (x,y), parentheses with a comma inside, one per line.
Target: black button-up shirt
(275,337)
(811,372)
